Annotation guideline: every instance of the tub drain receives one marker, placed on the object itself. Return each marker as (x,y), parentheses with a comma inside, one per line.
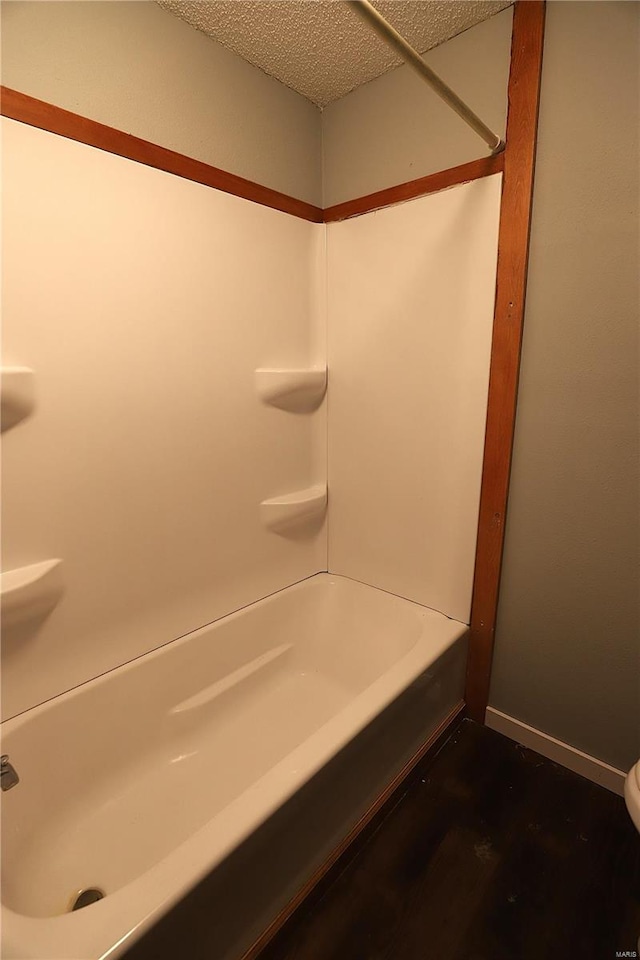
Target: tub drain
(86,897)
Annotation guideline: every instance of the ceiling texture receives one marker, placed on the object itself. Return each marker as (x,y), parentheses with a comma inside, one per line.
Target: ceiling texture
(321,48)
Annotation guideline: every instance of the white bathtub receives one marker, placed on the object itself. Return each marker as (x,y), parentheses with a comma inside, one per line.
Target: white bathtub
(142,781)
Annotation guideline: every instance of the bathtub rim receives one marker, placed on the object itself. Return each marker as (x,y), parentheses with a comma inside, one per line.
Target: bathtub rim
(121,918)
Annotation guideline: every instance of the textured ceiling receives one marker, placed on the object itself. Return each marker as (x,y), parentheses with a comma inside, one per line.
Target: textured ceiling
(322,49)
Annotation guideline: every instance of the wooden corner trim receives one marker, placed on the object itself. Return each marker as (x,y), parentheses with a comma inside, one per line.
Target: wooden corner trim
(474,170)
(513,252)
(47,116)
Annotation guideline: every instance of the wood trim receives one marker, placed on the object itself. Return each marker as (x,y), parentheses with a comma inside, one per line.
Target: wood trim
(46,116)
(474,170)
(441,731)
(513,249)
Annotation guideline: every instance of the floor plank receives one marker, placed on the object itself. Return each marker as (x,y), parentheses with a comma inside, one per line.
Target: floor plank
(492,853)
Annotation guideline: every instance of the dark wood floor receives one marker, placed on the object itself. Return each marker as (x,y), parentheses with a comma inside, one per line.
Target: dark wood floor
(492,853)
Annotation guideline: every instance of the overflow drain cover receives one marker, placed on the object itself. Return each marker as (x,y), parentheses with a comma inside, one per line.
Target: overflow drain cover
(86,897)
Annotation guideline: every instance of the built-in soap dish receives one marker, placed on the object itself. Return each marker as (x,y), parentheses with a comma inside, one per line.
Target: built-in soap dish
(28,593)
(297,390)
(292,510)
(17,395)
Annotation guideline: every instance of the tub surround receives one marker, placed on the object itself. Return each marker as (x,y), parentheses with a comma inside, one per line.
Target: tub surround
(524,77)
(148,455)
(409,353)
(248,374)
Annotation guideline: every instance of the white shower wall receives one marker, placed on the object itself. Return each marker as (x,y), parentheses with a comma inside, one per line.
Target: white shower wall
(144,303)
(411,297)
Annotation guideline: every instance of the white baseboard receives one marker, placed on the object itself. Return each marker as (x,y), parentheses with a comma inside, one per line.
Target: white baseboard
(567,756)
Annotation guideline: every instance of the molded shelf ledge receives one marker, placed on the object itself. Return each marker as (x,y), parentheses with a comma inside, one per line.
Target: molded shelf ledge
(30,592)
(293,509)
(17,395)
(299,391)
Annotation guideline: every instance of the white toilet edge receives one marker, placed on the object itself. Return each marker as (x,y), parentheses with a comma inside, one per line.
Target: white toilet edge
(632,794)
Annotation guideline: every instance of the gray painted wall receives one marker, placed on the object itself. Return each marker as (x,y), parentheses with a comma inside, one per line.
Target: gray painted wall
(567,653)
(395,128)
(133,66)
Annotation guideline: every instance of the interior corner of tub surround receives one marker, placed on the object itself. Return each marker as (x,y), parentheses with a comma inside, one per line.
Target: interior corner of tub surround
(396,522)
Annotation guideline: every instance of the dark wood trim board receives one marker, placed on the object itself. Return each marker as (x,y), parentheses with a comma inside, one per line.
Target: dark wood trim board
(513,252)
(46,116)
(474,170)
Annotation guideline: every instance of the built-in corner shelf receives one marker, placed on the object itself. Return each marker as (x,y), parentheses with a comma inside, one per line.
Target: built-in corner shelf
(296,390)
(284,514)
(17,395)
(28,593)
